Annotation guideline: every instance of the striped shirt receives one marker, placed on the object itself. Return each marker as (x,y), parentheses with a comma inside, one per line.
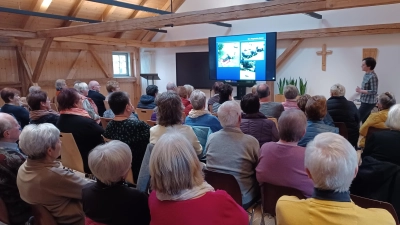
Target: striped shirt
(370,84)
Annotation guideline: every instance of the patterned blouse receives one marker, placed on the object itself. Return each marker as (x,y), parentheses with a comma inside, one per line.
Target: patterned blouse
(136,134)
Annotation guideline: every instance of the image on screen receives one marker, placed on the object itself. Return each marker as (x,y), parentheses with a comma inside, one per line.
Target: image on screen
(228,54)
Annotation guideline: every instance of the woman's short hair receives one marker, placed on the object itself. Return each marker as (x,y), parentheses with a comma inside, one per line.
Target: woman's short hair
(34,89)
(112,85)
(393,119)
(36,139)
(8,93)
(118,101)
(35,98)
(152,90)
(302,101)
(290,92)
(225,93)
(182,92)
(316,107)
(110,162)
(332,162)
(217,87)
(198,99)
(229,113)
(292,125)
(370,62)
(60,83)
(68,98)
(80,87)
(169,109)
(174,165)
(386,100)
(338,90)
(250,103)
(189,89)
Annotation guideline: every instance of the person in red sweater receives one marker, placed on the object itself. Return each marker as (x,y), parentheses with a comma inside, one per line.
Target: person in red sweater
(183,93)
(180,194)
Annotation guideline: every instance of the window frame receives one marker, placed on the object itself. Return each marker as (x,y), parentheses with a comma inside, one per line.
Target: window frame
(128,60)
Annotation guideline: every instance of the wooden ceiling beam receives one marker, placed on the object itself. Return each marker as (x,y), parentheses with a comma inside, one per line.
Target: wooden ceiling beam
(105,41)
(240,12)
(107,13)
(133,15)
(6,32)
(73,12)
(36,6)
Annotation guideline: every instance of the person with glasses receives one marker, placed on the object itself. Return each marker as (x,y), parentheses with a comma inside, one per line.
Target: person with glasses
(41,111)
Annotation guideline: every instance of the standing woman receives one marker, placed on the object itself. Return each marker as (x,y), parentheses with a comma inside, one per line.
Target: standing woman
(369,88)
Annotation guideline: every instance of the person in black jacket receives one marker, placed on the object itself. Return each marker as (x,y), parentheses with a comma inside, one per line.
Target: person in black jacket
(342,110)
(147,100)
(40,108)
(74,119)
(96,96)
(11,97)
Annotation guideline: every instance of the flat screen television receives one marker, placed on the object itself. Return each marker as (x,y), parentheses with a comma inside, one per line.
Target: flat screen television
(250,57)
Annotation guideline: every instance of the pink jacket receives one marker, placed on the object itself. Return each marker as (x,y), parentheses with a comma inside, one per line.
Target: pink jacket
(290,104)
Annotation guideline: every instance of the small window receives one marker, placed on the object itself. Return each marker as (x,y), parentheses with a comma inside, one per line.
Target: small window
(121,64)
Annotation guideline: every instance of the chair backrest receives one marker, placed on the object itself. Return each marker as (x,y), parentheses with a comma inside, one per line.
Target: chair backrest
(42,216)
(104,122)
(370,203)
(70,155)
(226,182)
(3,212)
(151,123)
(53,106)
(106,104)
(271,193)
(129,178)
(275,121)
(372,130)
(342,129)
(144,114)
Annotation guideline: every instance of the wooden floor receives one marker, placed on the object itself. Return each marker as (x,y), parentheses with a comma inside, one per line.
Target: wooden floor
(257,217)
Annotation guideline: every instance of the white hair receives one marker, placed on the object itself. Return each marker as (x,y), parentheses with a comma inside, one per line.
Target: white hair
(171,86)
(338,90)
(34,89)
(332,162)
(198,99)
(80,87)
(229,113)
(393,119)
(110,162)
(5,123)
(59,84)
(36,139)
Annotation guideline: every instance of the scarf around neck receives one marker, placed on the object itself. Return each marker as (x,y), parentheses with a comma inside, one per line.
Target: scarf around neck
(187,193)
(197,113)
(76,111)
(37,114)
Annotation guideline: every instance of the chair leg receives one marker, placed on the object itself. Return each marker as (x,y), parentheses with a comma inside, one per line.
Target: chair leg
(251,217)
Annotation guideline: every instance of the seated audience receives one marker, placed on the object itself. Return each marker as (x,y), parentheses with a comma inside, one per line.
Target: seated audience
(96,96)
(34,89)
(315,112)
(225,94)
(147,100)
(189,88)
(199,116)
(74,119)
(169,117)
(282,163)
(331,163)
(134,133)
(268,108)
(215,98)
(254,89)
(11,159)
(301,103)
(384,145)
(171,87)
(87,103)
(377,119)
(290,92)
(13,106)
(255,123)
(111,87)
(182,92)
(231,151)
(60,84)
(109,200)
(180,195)
(41,111)
(342,110)
(42,181)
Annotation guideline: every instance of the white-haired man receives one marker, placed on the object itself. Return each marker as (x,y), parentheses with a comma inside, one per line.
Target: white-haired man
(96,96)
(171,86)
(231,151)
(332,164)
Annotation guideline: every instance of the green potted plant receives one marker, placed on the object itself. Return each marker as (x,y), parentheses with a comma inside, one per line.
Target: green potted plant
(281,85)
(302,86)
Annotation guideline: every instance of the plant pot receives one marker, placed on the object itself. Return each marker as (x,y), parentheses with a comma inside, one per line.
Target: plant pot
(279,98)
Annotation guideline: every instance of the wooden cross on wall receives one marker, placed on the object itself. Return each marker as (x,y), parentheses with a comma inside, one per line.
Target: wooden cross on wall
(323,53)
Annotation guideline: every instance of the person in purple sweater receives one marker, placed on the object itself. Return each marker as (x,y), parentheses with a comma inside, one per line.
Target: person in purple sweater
(282,163)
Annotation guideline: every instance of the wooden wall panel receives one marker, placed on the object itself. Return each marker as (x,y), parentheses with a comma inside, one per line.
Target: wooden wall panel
(8,65)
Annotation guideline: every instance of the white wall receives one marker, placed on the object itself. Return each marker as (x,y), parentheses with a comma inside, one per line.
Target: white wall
(343,66)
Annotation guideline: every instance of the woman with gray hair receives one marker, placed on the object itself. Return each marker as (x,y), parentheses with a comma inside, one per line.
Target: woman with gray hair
(42,181)
(342,110)
(109,200)
(199,116)
(290,92)
(178,186)
(87,103)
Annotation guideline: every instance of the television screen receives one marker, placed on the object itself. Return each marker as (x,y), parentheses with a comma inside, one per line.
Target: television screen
(250,57)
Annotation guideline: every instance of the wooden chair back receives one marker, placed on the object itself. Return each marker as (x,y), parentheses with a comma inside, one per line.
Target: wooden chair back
(370,203)
(226,182)
(372,130)
(70,155)
(144,114)
(151,123)
(42,216)
(129,178)
(3,212)
(104,122)
(53,106)
(342,129)
(275,121)
(106,104)
(271,193)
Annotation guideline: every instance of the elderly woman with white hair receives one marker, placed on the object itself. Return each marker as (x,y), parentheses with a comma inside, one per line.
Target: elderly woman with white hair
(199,116)
(342,110)
(87,103)
(42,181)
(180,194)
(231,151)
(332,164)
(109,200)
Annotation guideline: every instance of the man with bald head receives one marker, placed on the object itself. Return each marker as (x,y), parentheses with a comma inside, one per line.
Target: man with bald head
(171,86)
(96,96)
(268,108)
(11,159)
